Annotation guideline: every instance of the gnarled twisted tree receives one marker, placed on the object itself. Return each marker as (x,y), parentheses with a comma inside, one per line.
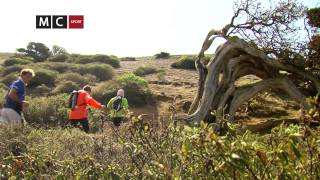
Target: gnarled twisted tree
(259,41)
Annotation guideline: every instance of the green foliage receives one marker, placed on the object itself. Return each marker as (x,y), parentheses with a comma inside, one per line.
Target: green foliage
(188,62)
(40,90)
(162,150)
(313,16)
(128,59)
(101,71)
(66,87)
(136,90)
(77,78)
(61,67)
(59,58)
(44,76)
(185,62)
(16,61)
(162,55)
(48,111)
(105,59)
(11,69)
(8,79)
(131,78)
(161,75)
(38,51)
(314,112)
(3,93)
(145,70)
(3,86)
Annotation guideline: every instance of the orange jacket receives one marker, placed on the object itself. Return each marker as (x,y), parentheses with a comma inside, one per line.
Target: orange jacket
(84,99)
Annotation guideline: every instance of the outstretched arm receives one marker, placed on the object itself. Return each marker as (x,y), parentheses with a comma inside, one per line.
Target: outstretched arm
(93,103)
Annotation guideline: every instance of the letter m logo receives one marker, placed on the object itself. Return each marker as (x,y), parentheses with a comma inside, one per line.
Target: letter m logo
(43,21)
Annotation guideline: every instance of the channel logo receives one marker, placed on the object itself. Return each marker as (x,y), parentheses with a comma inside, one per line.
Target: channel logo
(59,21)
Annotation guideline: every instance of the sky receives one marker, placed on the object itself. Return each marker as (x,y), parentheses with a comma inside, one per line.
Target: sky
(118,27)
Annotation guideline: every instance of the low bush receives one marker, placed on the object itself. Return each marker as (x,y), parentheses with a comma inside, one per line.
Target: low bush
(11,69)
(66,87)
(185,62)
(39,90)
(59,58)
(188,62)
(60,67)
(16,61)
(101,71)
(3,93)
(162,55)
(136,90)
(105,59)
(145,70)
(77,78)
(159,150)
(3,87)
(8,79)
(128,59)
(44,76)
(48,111)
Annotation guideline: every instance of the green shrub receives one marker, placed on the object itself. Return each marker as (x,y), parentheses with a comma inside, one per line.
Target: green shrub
(3,86)
(60,67)
(162,55)
(58,58)
(12,69)
(48,111)
(73,58)
(161,75)
(101,71)
(66,87)
(145,70)
(105,59)
(77,78)
(128,59)
(128,78)
(185,62)
(149,149)
(44,76)
(16,61)
(40,90)
(3,93)
(111,60)
(136,90)
(188,62)
(8,79)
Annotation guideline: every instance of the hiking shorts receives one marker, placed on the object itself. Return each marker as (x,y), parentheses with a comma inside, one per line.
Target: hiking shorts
(9,116)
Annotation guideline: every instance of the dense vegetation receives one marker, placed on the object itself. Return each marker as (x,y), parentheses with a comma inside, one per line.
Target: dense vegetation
(163,150)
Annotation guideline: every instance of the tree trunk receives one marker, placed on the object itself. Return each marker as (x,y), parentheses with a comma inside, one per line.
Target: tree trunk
(233,60)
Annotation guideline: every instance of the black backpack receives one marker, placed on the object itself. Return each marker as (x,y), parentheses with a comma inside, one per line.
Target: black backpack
(117,104)
(73,99)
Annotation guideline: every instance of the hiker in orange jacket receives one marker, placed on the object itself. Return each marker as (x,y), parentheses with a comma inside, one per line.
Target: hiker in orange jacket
(79,114)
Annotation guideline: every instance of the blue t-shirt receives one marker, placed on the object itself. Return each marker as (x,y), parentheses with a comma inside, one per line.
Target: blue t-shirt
(19,86)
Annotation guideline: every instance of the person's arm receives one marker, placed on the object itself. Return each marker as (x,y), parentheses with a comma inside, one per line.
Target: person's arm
(93,103)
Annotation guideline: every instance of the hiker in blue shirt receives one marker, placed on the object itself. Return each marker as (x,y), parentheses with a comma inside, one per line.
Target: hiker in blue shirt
(15,99)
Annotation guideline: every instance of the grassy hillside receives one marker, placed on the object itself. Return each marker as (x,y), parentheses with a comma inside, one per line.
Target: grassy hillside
(4,56)
(153,143)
